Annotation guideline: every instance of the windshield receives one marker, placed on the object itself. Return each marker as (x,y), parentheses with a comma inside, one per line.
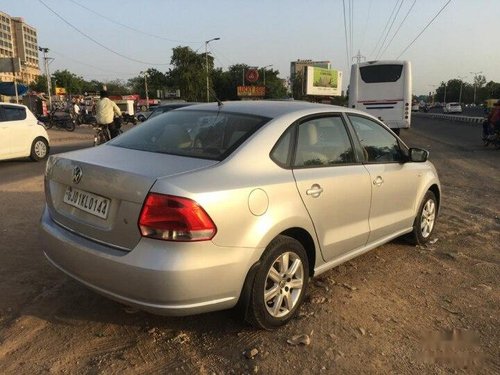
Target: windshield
(201,134)
(381,73)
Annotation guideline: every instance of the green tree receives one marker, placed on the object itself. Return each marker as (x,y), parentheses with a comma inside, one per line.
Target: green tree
(39,84)
(189,73)
(70,81)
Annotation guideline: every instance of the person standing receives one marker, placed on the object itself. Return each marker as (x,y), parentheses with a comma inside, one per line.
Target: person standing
(106,109)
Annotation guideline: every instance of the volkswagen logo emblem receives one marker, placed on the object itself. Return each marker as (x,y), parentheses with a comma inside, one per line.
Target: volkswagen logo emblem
(77,174)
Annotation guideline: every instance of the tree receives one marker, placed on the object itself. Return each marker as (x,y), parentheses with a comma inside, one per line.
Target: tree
(39,84)
(71,82)
(189,73)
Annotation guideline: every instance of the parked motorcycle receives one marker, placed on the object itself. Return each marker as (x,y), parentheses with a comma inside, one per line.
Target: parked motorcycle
(62,122)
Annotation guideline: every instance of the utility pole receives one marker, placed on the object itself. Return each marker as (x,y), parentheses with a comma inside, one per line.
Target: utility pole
(47,74)
(358,57)
(461,84)
(146,88)
(475,76)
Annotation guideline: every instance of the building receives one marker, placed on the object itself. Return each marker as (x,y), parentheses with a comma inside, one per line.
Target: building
(18,39)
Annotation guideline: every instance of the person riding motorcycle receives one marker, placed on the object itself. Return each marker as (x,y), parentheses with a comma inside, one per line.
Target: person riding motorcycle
(106,109)
(491,126)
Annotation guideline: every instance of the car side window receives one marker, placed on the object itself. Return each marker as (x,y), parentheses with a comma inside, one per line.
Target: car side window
(13,113)
(379,145)
(323,142)
(280,152)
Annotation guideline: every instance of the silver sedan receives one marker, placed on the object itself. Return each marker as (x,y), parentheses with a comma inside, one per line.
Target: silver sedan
(240,203)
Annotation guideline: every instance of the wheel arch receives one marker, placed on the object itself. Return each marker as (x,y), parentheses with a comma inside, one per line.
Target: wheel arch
(437,193)
(307,241)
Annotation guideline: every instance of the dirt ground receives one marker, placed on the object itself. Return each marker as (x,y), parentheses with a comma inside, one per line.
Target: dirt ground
(397,309)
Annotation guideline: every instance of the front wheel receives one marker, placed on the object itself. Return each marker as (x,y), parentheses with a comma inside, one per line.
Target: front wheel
(425,220)
(39,149)
(280,284)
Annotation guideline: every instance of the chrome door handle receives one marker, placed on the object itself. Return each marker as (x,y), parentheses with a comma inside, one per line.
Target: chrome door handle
(315,191)
(378,181)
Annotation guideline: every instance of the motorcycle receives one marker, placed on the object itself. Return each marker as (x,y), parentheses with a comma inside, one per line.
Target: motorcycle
(86,118)
(62,122)
(490,135)
(102,133)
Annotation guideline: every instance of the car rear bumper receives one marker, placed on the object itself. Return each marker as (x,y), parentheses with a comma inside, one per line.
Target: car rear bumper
(165,278)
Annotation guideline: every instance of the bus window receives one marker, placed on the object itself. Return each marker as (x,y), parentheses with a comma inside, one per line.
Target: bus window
(381,73)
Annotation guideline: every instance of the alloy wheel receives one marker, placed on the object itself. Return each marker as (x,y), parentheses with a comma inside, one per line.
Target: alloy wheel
(284,284)
(428,218)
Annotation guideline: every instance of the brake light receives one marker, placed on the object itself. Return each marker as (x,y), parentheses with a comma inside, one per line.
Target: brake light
(171,218)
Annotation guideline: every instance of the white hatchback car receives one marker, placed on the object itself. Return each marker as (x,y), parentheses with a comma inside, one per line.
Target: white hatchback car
(452,108)
(21,135)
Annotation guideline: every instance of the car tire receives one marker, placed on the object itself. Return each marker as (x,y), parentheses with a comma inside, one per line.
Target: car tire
(425,221)
(39,149)
(279,285)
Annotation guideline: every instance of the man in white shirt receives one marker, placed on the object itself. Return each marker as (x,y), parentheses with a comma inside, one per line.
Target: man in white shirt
(105,113)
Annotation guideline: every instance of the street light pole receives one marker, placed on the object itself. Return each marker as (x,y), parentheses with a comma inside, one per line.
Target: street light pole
(461,84)
(264,71)
(206,64)
(475,75)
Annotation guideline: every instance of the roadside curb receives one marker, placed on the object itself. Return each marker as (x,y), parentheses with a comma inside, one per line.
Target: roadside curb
(467,119)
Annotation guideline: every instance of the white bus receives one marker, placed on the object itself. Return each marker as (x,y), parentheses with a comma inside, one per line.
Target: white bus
(383,89)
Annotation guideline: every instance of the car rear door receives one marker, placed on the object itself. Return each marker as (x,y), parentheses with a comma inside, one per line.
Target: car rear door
(394,183)
(16,130)
(333,185)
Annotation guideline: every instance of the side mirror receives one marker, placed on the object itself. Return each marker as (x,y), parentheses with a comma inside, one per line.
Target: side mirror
(418,155)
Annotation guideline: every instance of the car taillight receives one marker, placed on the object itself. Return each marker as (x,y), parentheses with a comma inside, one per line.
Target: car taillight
(171,218)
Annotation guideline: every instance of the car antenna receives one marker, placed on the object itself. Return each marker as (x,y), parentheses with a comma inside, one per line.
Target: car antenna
(219,102)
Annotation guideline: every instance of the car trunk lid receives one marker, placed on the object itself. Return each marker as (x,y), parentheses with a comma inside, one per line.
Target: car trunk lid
(98,193)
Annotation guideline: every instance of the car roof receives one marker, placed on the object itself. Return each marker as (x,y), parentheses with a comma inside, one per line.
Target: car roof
(13,105)
(269,108)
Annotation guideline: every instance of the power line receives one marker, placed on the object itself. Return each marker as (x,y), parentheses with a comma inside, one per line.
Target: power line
(129,27)
(345,34)
(95,41)
(386,25)
(366,24)
(413,41)
(399,27)
(89,65)
(390,27)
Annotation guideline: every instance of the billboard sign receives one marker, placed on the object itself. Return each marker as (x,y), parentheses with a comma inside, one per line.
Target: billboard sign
(251,91)
(323,82)
(10,65)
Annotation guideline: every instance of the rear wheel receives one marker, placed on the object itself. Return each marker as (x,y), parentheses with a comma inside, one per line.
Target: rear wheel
(279,285)
(70,125)
(39,149)
(425,220)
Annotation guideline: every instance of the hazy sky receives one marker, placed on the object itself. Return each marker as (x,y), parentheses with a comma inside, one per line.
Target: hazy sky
(462,39)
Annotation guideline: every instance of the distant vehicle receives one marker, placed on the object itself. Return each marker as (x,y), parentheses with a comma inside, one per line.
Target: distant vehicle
(415,107)
(383,89)
(213,206)
(21,134)
(452,108)
(158,110)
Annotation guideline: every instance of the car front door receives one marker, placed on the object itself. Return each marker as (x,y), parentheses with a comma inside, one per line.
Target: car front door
(5,135)
(394,183)
(333,184)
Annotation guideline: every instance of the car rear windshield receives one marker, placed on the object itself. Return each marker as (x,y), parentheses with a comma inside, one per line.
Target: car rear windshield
(381,73)
(201,134)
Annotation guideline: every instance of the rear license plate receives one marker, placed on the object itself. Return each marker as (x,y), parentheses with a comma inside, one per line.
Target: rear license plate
(88,202)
